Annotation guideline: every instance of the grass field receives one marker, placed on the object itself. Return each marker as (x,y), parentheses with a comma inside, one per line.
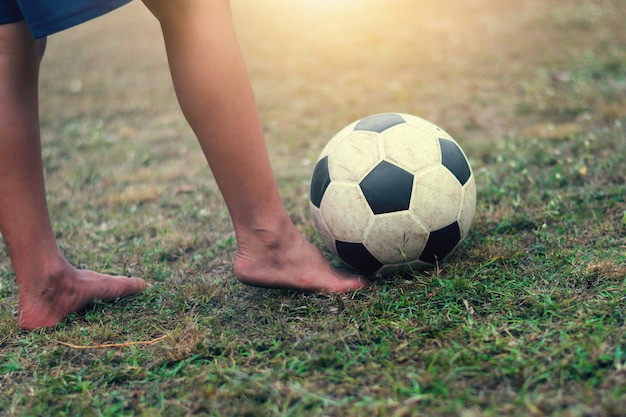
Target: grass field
(527,318)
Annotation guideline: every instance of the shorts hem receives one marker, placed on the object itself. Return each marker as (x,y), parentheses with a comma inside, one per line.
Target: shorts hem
(43,28)
(11,20)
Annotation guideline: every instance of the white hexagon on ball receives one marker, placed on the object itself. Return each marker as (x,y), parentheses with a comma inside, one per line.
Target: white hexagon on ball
(395,238)
(351,159)
(345,212)
(436,197)
(406,146)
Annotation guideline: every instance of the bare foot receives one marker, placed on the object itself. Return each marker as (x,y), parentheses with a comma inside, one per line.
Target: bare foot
(68,290)
(290,262)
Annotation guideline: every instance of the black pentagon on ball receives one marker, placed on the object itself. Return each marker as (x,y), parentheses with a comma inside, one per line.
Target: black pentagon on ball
(320,181)
(387,188)
(440,243)
(378,123)
(452,158)
(357,256)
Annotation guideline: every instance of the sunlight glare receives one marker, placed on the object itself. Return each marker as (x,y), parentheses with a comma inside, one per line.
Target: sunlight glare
(316,6)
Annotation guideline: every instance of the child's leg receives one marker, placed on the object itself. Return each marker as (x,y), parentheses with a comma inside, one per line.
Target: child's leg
(49,286)
(216,96)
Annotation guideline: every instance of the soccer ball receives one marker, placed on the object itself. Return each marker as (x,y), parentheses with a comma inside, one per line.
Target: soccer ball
(392,192)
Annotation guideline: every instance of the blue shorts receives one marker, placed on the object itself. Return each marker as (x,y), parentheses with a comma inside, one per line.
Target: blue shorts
(45,17)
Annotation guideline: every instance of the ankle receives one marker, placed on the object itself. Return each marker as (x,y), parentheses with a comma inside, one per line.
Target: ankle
(48,273)
(272,234)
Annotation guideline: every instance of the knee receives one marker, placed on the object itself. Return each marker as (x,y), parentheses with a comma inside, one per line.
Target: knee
(41,47)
